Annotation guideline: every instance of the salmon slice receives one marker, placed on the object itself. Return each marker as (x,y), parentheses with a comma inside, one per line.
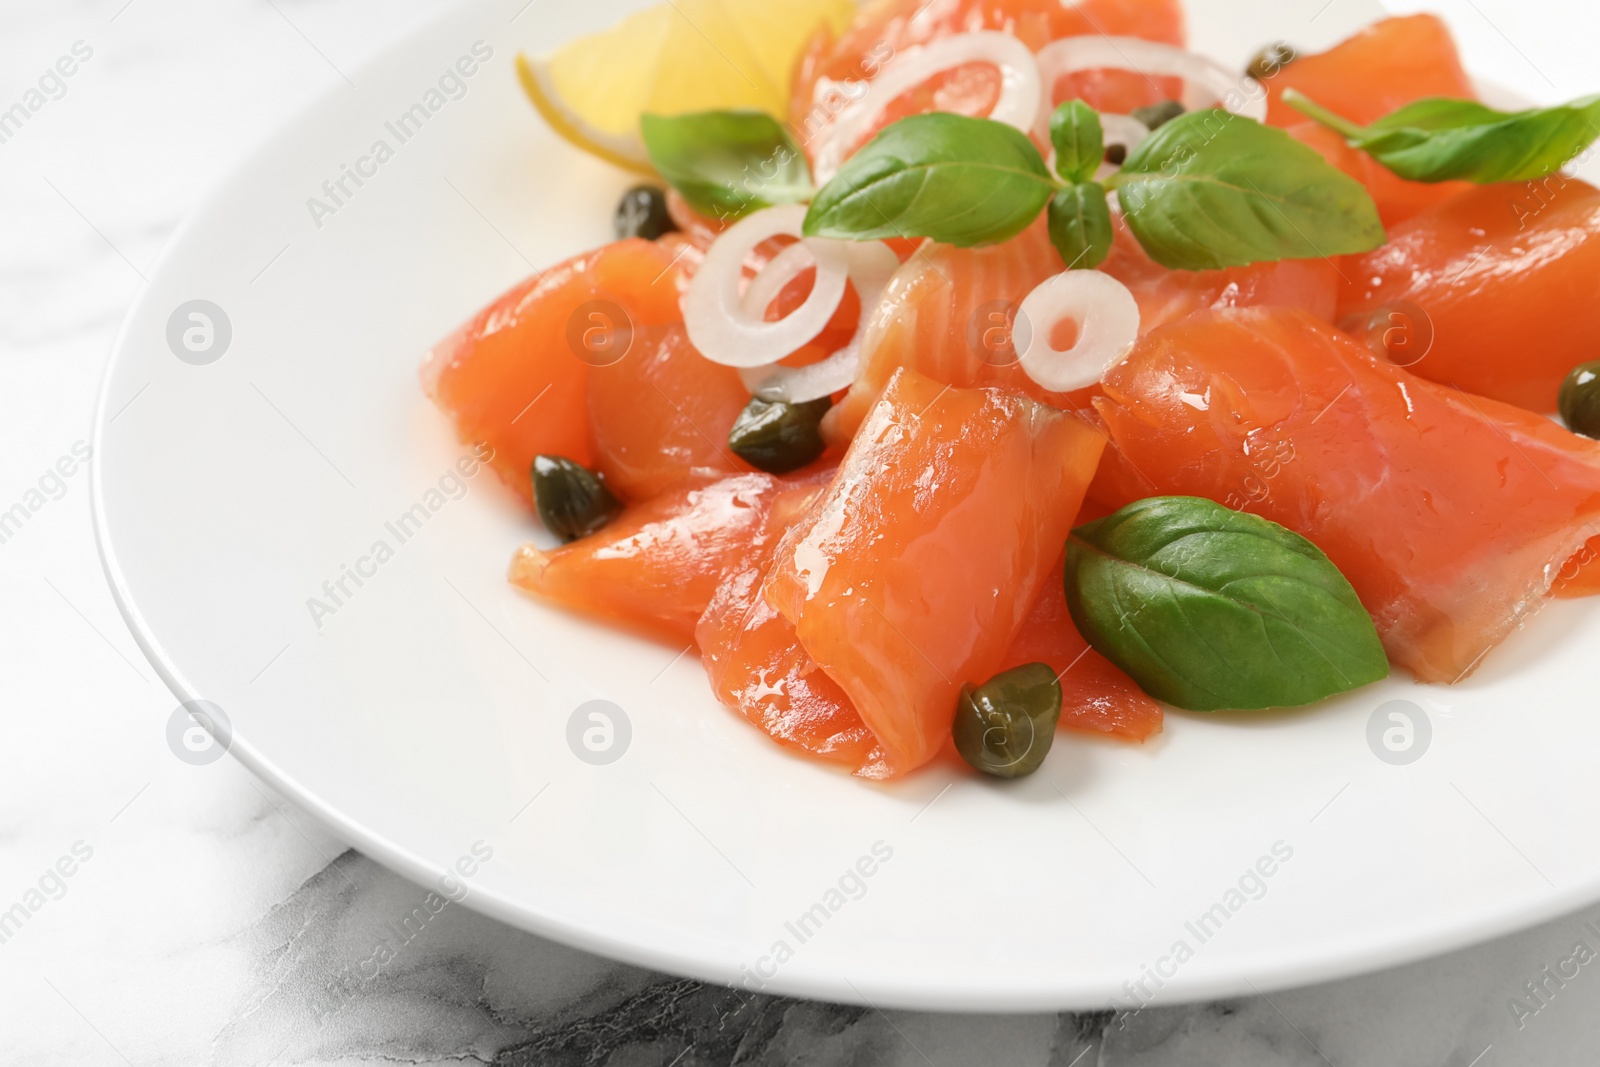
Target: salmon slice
(513,378)
(1509,277)
(1397,198)
(917,568)
(657,567)
(1450,514)
(660,417)
(756,666)
(1097,697)
(1392,63)
(830,72)
(949,312)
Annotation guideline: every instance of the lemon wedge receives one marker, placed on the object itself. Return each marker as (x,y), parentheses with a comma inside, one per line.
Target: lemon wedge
(675,58)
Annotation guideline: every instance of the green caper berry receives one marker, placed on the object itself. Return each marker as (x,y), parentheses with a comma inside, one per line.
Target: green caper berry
(1580,400)
(778,438)
(642,212)
(572,500)
(1158,115)
(1271,60)
(1116,154)
(1006,726)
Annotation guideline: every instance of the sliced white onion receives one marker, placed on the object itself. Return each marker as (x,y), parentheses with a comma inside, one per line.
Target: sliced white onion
(1021,90)
(728,329)
(872,264)
(1206,83)
(1108,324)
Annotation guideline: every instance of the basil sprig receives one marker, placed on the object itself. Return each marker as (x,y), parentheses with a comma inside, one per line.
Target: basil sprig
(728,164)
(1210,609)
(1078,139)
(1207,190)
(1439,139)
(1210,190)
(959,180)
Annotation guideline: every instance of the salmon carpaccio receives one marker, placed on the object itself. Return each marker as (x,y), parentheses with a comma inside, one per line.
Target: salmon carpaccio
(1450,514)
(948,313)
(916,570)
(831,72)
(1508,279)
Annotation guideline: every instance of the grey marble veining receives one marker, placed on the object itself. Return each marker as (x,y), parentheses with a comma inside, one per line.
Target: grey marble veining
(211,922)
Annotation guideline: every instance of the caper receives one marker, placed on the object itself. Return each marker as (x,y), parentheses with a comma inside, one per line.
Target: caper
(1580,400)
(572,500)
(1158,115)
(642,212)
(1006,726)
(1116,154)
(1271,60)
(778,438)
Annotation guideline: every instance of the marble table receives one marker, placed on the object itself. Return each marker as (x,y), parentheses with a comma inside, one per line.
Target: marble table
(181,914)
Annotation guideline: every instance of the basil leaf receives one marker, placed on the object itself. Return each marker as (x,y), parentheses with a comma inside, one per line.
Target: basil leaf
(1438,139)
(1080,225)
(1079,141)
(1210,190)
(1210,609)
(728,163)
(955,179)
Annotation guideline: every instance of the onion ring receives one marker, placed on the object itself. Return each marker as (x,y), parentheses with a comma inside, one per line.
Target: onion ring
(721,323)
(1206,83)
(1108,324)
(872,265)
(1021,90)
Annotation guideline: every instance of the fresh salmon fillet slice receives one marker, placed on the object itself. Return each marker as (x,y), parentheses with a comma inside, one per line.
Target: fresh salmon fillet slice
(916,570)
(1509,278)
(512,377)
(656,568)
(661,416)
(1392,63)
(1450,514)
(949,312)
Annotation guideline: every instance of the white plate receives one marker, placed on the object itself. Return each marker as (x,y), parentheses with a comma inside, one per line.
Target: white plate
(430,712)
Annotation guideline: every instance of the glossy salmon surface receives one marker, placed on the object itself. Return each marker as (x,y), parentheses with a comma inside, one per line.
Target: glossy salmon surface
(658,566)
(917,569)
(1507,278)
(516,376)
(1392,63)
(1452,515)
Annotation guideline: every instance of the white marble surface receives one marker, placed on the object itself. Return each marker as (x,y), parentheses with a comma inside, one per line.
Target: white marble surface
(207,921)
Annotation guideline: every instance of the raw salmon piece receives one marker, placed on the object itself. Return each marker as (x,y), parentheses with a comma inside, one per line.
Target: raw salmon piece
(1580,576)
(661,416)
(830,72)
(1097,697)
(949,312)
(756,666)
(1397,198)
(1392,63)
(511,378)
(1508,275)
(656,568)
(920,564)
(1450,514)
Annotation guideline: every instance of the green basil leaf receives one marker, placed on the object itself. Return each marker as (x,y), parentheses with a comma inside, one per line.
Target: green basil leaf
(959,180)
(1079,141)
(1210,190)
(728,163)
(1210,609)
(1080,225)
(1438,139)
